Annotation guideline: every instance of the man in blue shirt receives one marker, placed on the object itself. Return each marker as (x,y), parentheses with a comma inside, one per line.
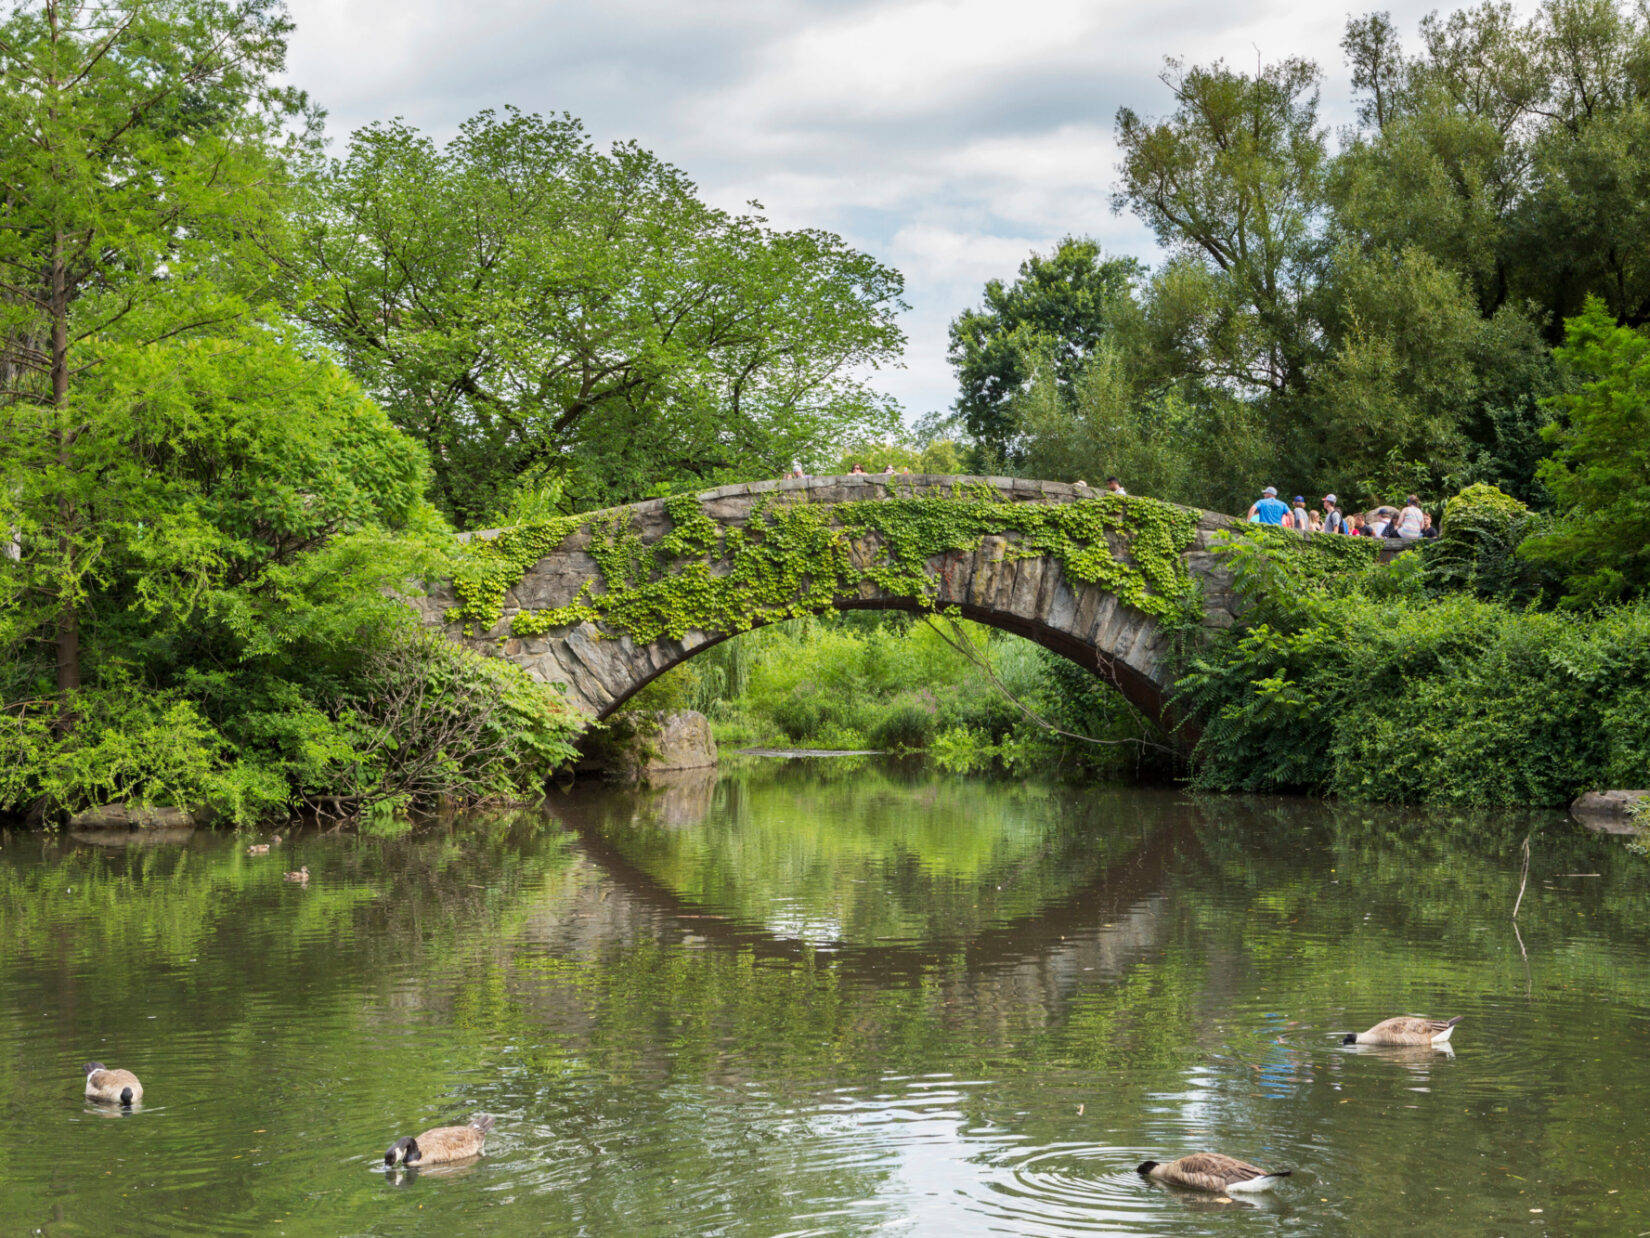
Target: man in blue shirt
(1268,509)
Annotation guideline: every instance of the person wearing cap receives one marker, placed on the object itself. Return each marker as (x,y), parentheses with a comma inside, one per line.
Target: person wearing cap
(1298,516)
(1333,521)
(1268,510)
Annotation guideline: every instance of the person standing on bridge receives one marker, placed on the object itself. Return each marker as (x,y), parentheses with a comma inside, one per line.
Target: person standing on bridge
(1268,510)
(1115,486)
(1333,521)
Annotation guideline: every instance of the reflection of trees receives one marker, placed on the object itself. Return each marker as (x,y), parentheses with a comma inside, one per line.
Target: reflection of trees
(1346,914)
(205,928)
(1223,950)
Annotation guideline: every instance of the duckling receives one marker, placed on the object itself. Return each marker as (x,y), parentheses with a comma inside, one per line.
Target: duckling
(443,1144)
(113,1087)
(276,839)
(1405,1030)
(258,849)
(1210,1171)
(302,875)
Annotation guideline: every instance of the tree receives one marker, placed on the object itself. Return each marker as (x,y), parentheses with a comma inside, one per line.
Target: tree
(253,512)
(529,307)
(1232,183)
(1059,309)
(1373,48)
(135,163)
(226,469)
(1599,472)
(1184,445)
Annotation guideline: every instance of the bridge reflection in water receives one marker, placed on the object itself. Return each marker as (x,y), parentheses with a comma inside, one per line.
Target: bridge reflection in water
(1012,910)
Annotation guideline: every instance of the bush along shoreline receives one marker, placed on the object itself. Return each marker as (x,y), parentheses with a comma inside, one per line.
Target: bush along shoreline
(1433,679)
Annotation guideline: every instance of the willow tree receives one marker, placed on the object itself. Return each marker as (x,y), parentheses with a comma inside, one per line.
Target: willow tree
(135,164)
(533,308)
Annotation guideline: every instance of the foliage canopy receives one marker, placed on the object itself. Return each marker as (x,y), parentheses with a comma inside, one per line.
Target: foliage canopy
(529,307)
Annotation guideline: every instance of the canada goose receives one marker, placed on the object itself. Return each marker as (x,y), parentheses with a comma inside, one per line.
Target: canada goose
(113,1087)
(443,1144)
(1210,1171)
(301,875)
(1405,1030)
(258,849)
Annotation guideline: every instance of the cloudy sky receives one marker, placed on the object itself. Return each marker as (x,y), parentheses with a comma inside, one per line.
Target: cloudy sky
(949,138)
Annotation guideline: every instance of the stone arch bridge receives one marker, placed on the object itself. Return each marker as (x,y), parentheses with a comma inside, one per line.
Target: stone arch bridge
(606,602)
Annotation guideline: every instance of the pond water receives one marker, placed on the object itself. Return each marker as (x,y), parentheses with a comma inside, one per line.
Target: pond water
(833,998)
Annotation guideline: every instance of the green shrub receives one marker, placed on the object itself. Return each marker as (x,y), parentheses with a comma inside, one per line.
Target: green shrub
(1476,549)
(1450,700)
(124,743)
(906,722)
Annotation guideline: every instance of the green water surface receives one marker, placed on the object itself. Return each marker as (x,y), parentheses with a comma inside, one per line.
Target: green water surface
(832,998)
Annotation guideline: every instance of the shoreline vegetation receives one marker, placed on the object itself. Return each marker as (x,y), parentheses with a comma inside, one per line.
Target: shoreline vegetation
(250,388)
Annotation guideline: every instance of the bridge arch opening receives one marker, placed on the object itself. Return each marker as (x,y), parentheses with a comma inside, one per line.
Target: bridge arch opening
(1144,693)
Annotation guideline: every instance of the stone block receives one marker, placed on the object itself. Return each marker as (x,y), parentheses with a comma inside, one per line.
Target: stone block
(122,816)
(1048,581)
(1007,577)
(683,741)
(988,566)
(1610,812)
(1088,605)
(1061,611)
(1028,583)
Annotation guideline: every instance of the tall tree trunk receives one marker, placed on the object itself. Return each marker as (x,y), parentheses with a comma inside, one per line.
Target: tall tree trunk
(68,617)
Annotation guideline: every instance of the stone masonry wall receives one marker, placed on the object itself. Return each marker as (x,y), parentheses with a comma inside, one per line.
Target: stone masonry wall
(1030,597)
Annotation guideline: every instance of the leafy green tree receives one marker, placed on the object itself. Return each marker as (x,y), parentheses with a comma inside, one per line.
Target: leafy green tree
(1191,447)
(135,164)
(530,308)
(1415,379)
(1512,148)
(1059,309)
(1232,183)
(253,513)
(1599,472)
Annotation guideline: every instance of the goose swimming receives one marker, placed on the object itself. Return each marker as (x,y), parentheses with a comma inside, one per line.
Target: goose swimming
(442,1144)
(1210,1171)
(1405,1030)
(112,1087)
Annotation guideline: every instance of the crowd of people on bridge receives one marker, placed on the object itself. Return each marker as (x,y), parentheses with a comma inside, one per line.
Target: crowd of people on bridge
(1409,522)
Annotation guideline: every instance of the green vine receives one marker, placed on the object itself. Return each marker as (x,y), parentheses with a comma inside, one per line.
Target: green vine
(798,558)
